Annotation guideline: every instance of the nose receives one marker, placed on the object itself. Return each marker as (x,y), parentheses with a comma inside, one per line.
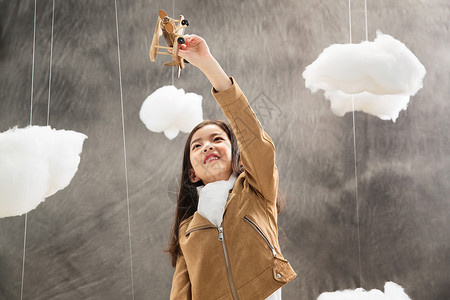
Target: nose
(208,147)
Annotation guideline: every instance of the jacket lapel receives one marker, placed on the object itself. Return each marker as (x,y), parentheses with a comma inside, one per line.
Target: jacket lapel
(230,195)
(197,222)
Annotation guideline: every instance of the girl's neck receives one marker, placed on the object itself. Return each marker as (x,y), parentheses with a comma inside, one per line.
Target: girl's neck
(222,177)
(230,177)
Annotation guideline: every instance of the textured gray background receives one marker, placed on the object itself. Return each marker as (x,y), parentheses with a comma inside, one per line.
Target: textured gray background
(77,241)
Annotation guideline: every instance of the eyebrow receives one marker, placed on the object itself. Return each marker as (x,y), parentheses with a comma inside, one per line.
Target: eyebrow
(211,135)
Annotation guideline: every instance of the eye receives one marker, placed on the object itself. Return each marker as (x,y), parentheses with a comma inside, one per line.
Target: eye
(218,138)
(195,146)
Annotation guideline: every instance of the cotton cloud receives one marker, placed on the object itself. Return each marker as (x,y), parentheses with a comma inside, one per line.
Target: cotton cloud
(170,110)
(380,75)
(35,163)
(392,291)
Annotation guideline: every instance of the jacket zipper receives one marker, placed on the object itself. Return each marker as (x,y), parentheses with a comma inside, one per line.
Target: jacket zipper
(274,253)
(195,229)
(227,262)
(222,240)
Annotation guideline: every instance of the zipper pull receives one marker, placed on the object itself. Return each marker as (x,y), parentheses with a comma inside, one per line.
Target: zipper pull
(220,234)
(274,253)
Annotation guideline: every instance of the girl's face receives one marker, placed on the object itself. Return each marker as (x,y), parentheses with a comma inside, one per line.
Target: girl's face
(210,154)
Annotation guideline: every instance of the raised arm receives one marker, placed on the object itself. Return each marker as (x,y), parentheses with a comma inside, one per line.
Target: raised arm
(257,149)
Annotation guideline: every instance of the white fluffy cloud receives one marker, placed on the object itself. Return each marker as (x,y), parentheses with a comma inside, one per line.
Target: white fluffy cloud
(170,110)
(380,75)
(392,291)
(35,163)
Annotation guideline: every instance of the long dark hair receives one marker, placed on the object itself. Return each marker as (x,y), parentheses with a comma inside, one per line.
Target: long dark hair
(188,197)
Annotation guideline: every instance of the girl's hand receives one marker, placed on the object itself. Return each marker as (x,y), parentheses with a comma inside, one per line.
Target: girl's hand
(195,51)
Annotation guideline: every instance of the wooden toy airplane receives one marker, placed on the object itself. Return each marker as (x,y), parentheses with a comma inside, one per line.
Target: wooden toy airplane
(173,35)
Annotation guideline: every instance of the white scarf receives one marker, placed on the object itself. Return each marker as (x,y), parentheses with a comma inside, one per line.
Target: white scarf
(212,199)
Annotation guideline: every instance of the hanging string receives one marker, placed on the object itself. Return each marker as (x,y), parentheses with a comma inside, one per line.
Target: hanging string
(356,191)
(31,122)
(354,152)
(24,247)
(365,17)
(173,15)
(32,65)
(124,152)
(50,67)
(350,18)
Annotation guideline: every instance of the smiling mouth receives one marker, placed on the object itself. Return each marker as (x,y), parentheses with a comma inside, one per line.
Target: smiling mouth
(212,158)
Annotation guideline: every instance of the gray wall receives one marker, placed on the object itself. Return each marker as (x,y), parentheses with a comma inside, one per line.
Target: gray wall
(77,241)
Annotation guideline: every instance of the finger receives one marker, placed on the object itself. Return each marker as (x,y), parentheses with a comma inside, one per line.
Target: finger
(187,39)
(182,53)
(190,37)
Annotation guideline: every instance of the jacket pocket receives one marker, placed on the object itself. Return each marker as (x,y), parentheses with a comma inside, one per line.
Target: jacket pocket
(261,233)
(199,228)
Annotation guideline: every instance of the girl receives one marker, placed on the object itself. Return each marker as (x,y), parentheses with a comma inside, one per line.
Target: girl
(224,242)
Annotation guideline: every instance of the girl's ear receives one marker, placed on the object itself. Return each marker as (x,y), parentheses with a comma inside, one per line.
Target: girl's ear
(192,176)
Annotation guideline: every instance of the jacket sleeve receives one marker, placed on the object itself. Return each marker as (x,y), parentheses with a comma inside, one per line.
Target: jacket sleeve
(257,148)
(181,285)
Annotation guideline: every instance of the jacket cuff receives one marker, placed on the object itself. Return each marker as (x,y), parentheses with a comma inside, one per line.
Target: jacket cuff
(228,96)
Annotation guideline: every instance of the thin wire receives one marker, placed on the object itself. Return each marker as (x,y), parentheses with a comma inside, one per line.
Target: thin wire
(50,67)
(32,64)
(23,257)
(124,152)
(173,15)
(350,19)
(355,159)
(365,16)
(31,122)
(356,191)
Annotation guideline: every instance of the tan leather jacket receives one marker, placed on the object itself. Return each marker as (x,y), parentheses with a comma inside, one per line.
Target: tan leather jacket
(241,259)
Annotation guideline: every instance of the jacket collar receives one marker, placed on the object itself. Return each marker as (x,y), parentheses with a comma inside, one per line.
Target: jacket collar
(230,196)
(197,222)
